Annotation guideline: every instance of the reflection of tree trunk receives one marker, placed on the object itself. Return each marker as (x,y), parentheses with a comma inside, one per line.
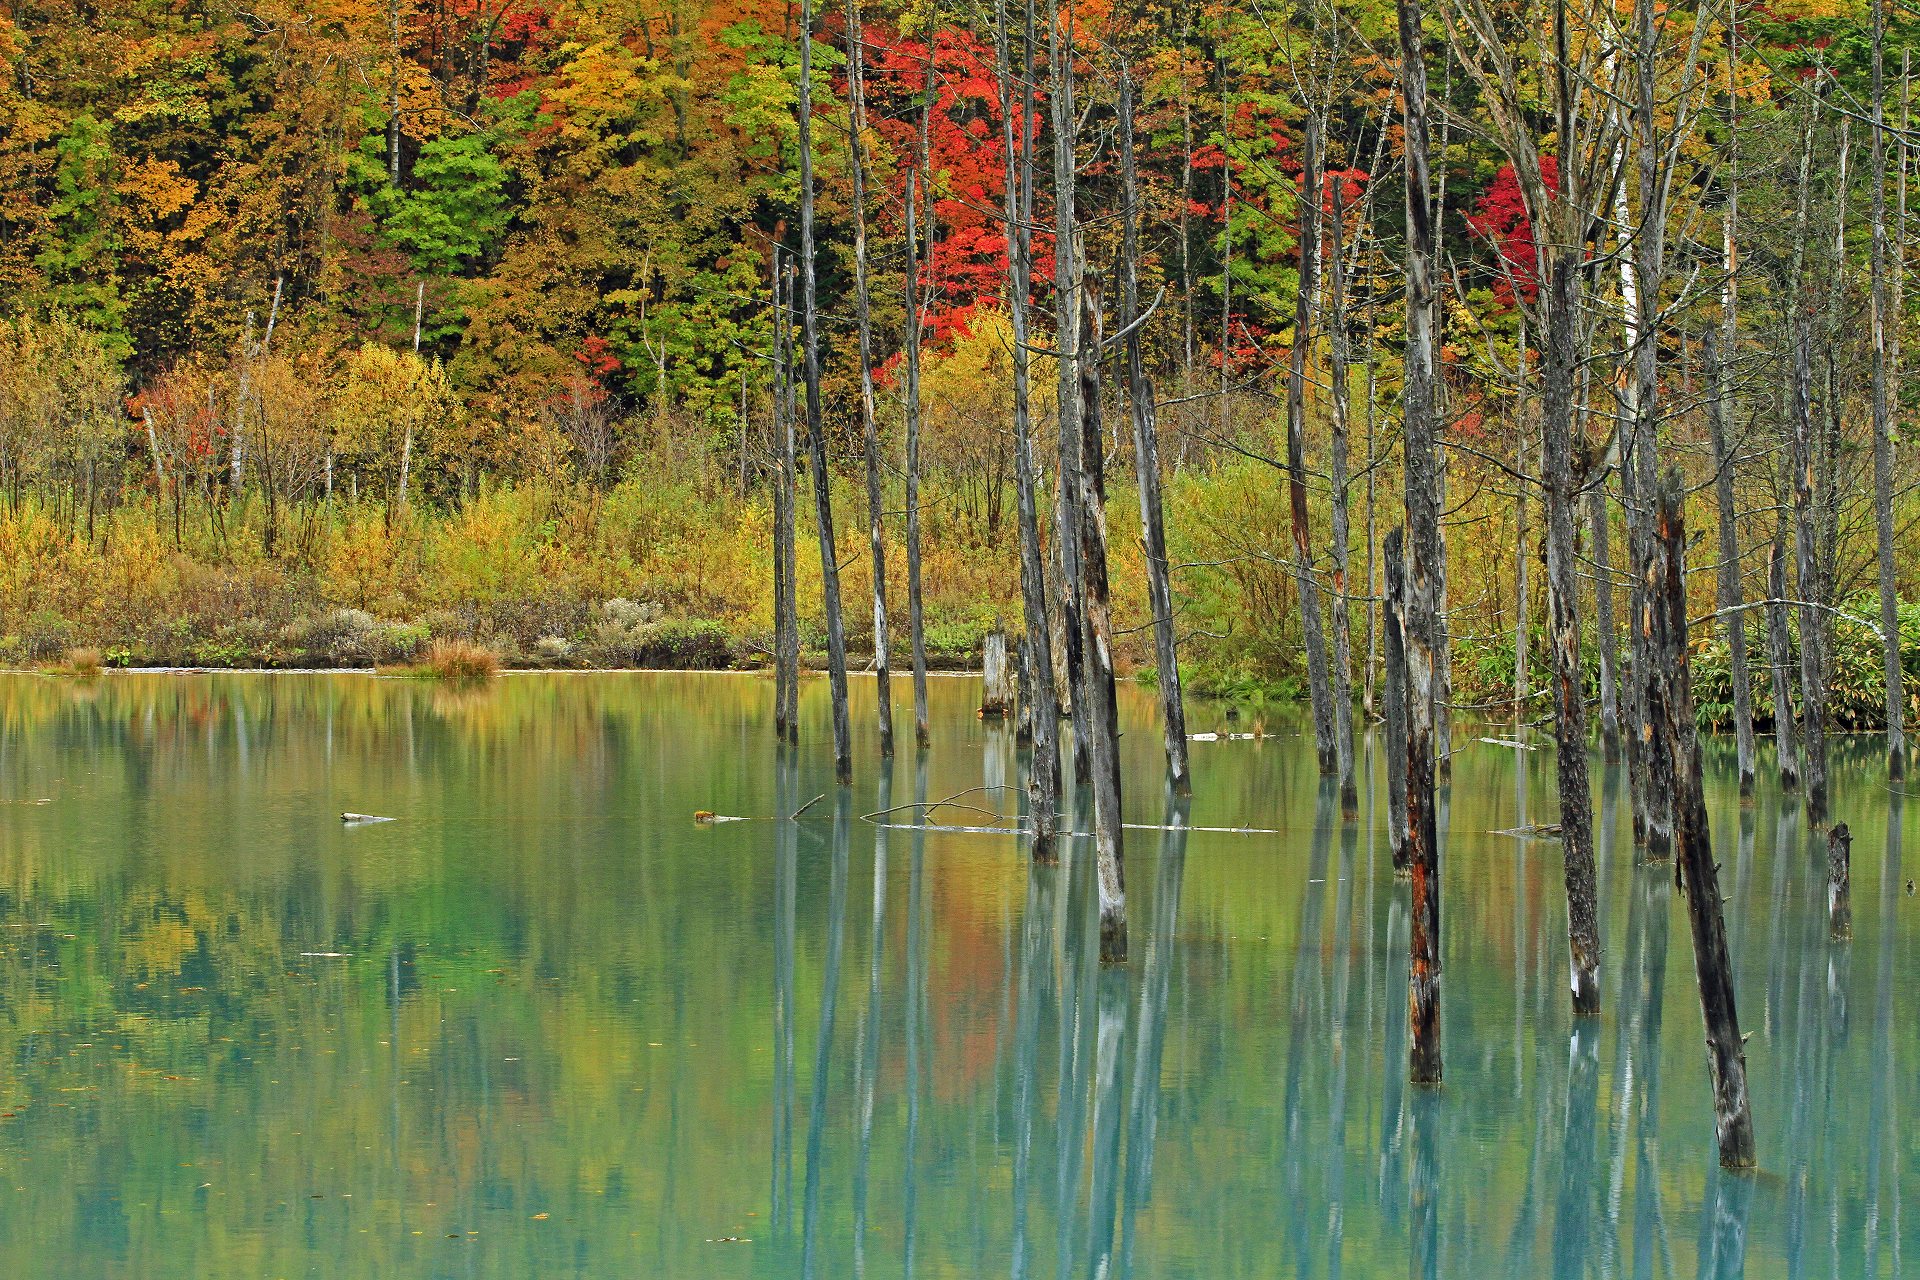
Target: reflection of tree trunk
(1150,1031)
(823,1045)
(786,855)
(1574,1209)
(869,1061)
(1306,1037)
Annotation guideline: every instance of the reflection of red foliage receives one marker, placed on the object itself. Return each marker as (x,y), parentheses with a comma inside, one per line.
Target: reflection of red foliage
(1501,218)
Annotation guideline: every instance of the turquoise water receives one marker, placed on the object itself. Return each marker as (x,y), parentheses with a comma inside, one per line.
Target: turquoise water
(544,1023)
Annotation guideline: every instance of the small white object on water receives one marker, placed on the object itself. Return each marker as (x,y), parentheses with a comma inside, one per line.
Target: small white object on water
(1203,737)
(362,819)
(326,955)
(1507,742)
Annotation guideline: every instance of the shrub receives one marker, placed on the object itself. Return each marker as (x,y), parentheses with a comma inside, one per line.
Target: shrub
(83,662)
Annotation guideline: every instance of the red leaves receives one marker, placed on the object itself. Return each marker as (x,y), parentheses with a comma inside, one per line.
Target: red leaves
(1501,218)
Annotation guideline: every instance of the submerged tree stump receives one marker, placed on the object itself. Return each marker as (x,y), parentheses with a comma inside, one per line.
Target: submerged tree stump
(1840,882)
(997,698)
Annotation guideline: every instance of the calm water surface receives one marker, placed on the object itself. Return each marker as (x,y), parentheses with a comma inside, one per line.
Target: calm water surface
(543,1024)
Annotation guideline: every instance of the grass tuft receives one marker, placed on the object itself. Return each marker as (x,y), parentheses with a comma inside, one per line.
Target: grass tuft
(84,663)
(462,661)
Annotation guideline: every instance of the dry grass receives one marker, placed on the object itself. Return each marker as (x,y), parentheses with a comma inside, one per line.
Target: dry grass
(84,663)
(461,661)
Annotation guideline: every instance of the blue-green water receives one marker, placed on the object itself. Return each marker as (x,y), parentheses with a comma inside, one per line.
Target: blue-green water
(545,1024)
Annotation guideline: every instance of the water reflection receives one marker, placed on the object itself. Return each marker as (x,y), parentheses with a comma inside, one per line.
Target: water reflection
(545,1023)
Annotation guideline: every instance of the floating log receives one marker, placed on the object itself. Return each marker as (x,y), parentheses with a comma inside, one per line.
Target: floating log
(362,819)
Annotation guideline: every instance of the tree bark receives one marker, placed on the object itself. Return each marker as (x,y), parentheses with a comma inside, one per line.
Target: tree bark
(996,696)
(1813,698)
(869,424)
(1422,622)
(1394,695)
(1305,588)
(816,427)
(1603,623)
(1146,461)
(1882,320)
(1101,713)
(1726,1057)
(1043,777)
(1521,558)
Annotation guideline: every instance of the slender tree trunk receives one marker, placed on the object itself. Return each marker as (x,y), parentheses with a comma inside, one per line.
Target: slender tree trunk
(1731,595)
(1560,364)
(1338,370)
(1043,778)
(406,443)
(816,426)
(1146,456)
(1726,1056)
(1373,571)
(1882,320)
(1780,662)
(1305,588)
(1226,251)
(1102,714)
(1800,480)
(393,97)
(1609,645)
(1393,616)
(916,616)
(786,629)
(1424,569)
(869,423)
(1522,534)
(1069,266)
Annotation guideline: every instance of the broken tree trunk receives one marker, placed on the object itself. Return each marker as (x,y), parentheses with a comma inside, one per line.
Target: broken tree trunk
(816,424)
(1395,697)
(1840,882)
(1101,715)
(1146,462)
(1726,1057)
(996,697)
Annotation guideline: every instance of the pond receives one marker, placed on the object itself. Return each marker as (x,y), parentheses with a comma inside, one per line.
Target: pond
(545,1023)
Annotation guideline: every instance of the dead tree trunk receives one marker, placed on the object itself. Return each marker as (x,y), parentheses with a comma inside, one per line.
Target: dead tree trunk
(1422,620)
(869,423)
(816,426)
(1813,696)
(1069,266)
(1043,778)
(916,613)
(1603,624)
(1560,366)
(1342,608)
(1840,882)
(1305,589)
(786,625)
(1780,661)
(1393,618)
(1882,320)
(1521,558)
(1146,462)
(1102,713)
(1731,595)
(1726,1057)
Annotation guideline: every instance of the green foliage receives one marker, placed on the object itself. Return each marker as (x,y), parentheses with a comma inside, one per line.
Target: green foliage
(1856,681)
